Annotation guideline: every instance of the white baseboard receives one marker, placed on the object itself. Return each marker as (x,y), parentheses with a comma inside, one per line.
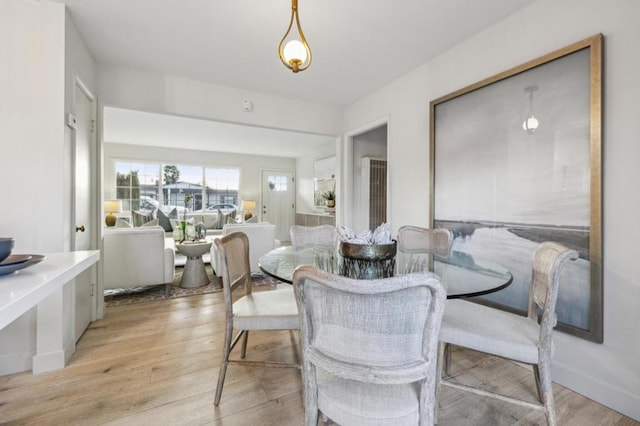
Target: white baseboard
(602,392)
(16,362)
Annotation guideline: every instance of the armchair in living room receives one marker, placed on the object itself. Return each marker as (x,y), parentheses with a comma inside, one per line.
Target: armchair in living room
(262,239)
(137,257)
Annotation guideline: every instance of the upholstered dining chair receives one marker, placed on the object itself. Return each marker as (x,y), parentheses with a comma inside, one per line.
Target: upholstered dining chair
(323,235)
(264,310)
(369,347)
(416,245)
(527,339)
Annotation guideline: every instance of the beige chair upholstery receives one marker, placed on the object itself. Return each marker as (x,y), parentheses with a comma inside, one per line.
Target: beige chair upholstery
(524,339)
(417,245)
(369,347)
(323,235)
(262,239)
(265,310)
(137,257)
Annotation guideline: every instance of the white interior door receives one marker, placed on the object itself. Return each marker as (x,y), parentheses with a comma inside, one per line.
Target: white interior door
(278,205)
(84,155)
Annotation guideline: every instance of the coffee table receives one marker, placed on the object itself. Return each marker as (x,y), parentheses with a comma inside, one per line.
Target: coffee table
(194,274)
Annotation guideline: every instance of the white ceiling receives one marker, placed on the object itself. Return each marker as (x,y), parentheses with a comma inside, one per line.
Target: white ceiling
(358,46)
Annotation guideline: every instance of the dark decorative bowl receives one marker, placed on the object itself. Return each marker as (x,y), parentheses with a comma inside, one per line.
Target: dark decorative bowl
(368,251)
(6,245)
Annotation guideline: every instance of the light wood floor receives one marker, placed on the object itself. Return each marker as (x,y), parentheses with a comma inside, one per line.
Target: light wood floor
(157,363)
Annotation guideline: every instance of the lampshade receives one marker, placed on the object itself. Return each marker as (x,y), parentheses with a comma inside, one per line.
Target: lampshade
(248,205)
(111,207)
(293,49)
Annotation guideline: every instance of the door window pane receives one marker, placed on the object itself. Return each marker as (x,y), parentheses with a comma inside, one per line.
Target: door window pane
(277,183)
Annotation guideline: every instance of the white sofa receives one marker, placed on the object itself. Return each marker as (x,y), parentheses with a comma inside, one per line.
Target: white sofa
(262,239)
(136,257)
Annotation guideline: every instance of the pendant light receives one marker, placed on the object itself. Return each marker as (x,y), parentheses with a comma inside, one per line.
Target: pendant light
(531,123)
(293,50)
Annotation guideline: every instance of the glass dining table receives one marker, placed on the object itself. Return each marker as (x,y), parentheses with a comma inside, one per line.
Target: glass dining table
(462,274)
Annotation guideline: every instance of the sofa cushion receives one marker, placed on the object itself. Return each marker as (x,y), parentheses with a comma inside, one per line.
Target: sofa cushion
(164,219)
(209,220)
(152,222)
(220,220)
(123,223)
(140,218)
(230,217)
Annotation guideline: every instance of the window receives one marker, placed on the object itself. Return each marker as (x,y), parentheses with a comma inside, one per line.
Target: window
(138,185)
(141,186)
(277,183)
(222,186)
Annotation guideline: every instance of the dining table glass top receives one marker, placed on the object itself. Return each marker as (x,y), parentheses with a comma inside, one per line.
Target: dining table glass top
(462,274)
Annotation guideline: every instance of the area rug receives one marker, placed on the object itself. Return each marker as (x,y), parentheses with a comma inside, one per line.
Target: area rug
(142,294)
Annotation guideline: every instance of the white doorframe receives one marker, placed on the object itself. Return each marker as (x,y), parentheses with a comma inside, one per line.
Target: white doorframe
(88,280)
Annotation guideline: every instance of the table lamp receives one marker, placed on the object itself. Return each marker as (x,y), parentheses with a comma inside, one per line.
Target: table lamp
(111,207)
(247,206)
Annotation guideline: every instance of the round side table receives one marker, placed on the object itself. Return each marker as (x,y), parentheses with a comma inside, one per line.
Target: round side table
(194,274)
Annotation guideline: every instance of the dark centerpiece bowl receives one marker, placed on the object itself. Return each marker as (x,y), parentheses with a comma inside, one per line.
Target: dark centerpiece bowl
(367,261)
(368,251)
(6,246)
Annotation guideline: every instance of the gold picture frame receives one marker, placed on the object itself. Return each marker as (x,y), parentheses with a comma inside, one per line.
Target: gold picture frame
(515,159)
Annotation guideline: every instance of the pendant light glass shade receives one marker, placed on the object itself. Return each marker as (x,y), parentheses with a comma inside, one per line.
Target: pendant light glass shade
(294,50)
(531,123)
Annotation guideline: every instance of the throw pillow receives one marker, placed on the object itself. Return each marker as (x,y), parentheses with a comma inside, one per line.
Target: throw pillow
(220,220)
(153,222)
(140,218)
(230,217)
(164,219)
(123,223)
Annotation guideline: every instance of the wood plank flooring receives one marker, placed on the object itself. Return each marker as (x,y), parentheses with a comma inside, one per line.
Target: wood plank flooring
(157,363)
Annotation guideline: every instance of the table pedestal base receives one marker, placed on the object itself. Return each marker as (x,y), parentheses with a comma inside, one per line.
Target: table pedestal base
(194,274)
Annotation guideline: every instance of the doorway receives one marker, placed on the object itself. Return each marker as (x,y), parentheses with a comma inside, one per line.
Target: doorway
(362,146)
(84,159)
(278,206)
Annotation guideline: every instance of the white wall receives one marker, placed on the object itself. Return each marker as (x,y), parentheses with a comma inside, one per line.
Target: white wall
(127,88)
(250,165)
(607,372)
(35,165)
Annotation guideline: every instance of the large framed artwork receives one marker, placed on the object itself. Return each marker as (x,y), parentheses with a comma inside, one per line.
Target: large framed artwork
(515,161)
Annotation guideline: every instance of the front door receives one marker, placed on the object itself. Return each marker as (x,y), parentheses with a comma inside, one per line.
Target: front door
(278,205)
(84,155)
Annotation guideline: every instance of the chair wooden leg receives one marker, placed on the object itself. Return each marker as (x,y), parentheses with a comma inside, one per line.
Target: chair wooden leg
(544,371)
(243,348)
(536,375)
(226,350)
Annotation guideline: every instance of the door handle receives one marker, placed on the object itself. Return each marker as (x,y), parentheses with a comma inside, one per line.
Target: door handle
(80,228)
